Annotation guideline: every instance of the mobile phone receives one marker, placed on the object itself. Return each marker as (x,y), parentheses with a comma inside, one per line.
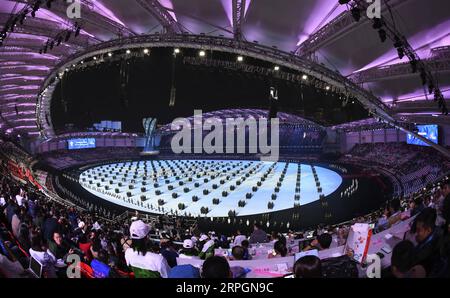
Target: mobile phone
(386,249)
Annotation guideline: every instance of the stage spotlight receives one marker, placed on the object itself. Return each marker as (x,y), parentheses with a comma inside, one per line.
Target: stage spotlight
(176,51)
(128,52)
(109,54)
(240,58)
(304,77)
(146,51)
(356,13)
(382,34)
(276,68)
(202,53)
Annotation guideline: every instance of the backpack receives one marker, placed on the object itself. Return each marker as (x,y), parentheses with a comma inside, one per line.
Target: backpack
(339,267)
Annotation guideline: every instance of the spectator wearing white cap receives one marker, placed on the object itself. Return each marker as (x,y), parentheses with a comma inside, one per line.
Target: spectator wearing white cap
(188,251)
(20,198)
(239,238)
(143,262)
(207,248)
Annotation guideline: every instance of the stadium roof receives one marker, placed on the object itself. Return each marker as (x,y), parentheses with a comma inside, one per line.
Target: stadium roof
(321,29)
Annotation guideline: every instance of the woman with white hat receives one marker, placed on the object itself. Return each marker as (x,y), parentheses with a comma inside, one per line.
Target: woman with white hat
(188,250)
(143,262)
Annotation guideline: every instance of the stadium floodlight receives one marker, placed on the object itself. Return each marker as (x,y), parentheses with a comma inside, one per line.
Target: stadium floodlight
(202,53)
(240,58)
(276,68)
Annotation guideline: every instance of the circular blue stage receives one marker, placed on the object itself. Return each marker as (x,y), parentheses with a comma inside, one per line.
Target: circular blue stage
(210,188)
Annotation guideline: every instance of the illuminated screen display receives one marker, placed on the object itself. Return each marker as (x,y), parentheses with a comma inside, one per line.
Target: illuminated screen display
(429,132)
(75,144)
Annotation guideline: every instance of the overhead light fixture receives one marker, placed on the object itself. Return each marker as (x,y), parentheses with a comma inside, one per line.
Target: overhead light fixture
(128,51)
(176,51)
(95,58)
(240,58)
(109,54)
(327,88)
(146,51)
(202,53)
(276,68)
(304,77)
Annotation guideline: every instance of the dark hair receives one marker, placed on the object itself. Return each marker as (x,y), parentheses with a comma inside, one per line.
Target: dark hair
(324,240)
(96,246)
(216,267)
(36,242)
(238,252)
(402,256)
(140,245)
(102,256)
(83,238)
(308,267)
(245,243)
(395,204)
(427,218)
(280,248)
